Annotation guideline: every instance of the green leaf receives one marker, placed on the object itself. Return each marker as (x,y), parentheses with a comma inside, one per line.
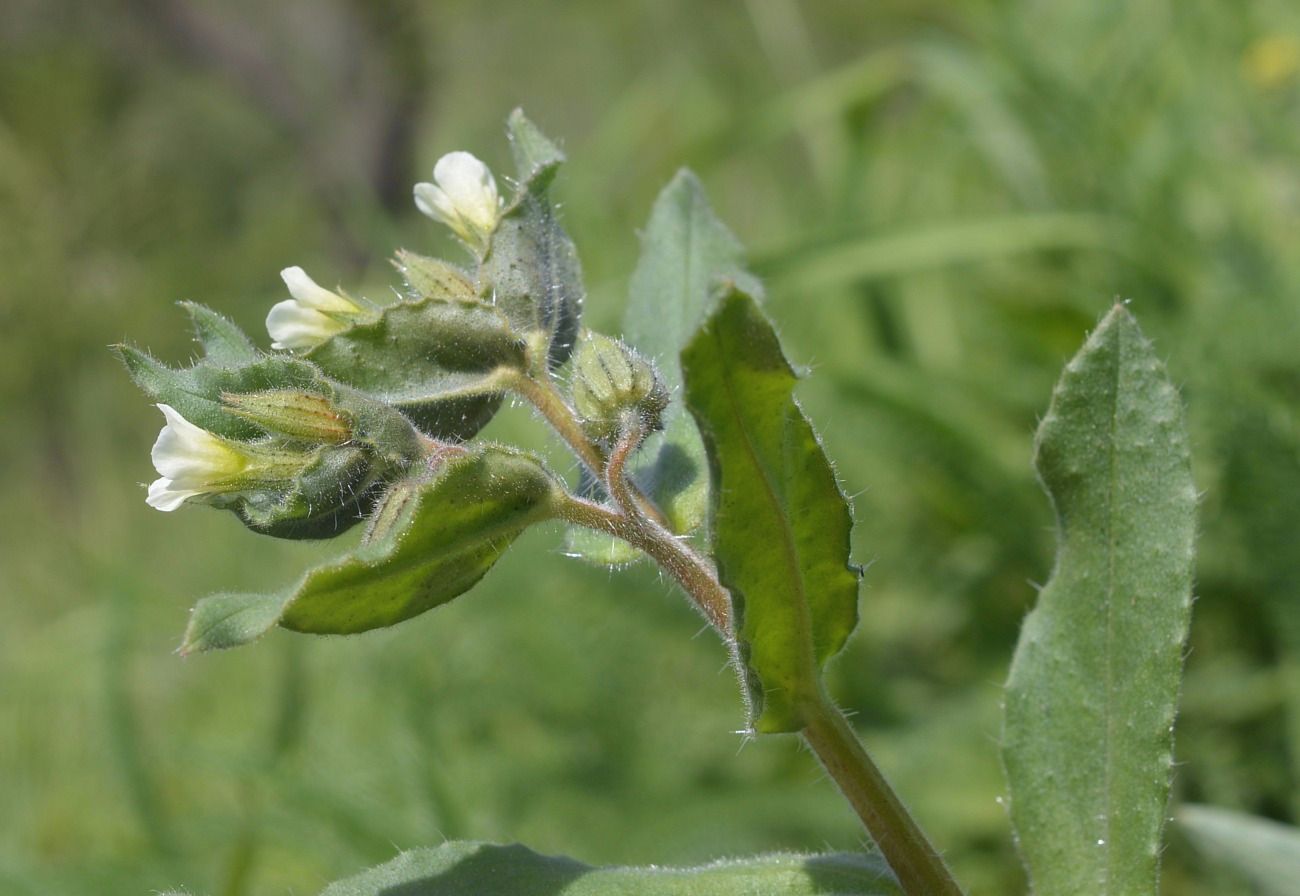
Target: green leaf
(481,869)
(1094,683)
(435,358)
(429,542)
(780,523)
(1264,852)
(532,272)
(222,341)
(687,254)
(195,391)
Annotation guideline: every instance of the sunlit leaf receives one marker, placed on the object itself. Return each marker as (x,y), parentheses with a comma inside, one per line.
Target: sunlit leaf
(780,523)
(429,542)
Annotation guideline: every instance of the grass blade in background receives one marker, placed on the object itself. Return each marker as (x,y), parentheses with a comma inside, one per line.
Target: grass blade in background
(780,522)
(485,870)
(1264,852)
(1093,688)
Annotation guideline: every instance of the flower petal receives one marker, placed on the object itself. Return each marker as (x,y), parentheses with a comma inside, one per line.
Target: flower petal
(294,326)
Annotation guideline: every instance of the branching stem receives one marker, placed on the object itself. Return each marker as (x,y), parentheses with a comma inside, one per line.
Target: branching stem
(634,519)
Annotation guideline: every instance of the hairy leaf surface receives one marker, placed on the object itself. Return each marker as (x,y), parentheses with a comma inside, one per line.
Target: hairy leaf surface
(480,869)
(780,523)
(429,542)
(532,271)
(1092,692)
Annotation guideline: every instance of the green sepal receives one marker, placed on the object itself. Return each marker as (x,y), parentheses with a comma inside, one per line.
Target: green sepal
(432,278)
(440,532)
(461,867)
(438,359)
(531,271)
(780,523)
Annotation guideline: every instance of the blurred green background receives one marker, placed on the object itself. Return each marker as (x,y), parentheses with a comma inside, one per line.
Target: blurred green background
(943,197)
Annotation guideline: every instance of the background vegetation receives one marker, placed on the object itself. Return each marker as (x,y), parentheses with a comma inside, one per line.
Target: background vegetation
(943,197)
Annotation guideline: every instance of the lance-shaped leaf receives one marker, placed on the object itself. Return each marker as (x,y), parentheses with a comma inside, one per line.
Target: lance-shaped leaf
(780,523)
(686,255)
(532,272)
(437,358)
(1091,696)
(1262,851)
(462,868)
(429,542)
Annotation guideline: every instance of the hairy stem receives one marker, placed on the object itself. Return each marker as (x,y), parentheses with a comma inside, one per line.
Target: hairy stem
(919,868)
(543,395)
(694,573)
(916,864)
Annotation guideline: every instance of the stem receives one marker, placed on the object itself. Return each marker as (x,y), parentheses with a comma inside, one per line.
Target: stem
(551,405)
(677,558)
(916,864)
(634,519)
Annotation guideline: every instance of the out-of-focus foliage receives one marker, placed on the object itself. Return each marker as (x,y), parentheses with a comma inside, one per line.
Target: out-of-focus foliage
(942,197)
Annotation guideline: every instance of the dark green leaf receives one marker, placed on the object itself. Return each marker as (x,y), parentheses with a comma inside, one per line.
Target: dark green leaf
(1264,852)
(780,523)
(430,542)
(532,272)
(436,359)
(480,869)
(1092,692)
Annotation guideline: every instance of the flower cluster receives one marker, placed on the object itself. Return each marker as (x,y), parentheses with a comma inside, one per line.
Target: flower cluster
(193,463)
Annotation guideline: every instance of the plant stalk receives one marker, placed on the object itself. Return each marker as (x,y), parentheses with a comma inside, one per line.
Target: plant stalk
(915,862)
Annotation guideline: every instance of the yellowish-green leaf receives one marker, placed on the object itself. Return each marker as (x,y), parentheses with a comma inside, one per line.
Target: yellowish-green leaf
(780,523)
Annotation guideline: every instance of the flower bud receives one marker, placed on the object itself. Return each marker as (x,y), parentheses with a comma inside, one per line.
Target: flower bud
(613,385)
(312,316)
(464,197)
(299,415)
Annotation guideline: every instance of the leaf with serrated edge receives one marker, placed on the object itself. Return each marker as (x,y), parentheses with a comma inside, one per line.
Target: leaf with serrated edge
(780,523)
(460,868)
(1263,851)
(1093,687)
(434,547)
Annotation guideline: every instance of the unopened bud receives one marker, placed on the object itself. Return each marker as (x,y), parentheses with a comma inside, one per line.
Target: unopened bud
(612,384)
(288,412)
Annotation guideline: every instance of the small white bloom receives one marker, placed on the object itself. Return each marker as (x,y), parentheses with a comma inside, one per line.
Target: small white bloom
(191,461)
(463,196)
(312,316)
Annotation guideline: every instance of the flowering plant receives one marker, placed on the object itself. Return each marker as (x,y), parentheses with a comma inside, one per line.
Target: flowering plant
(693,454)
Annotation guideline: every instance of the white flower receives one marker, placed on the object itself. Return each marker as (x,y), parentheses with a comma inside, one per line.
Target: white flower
(463,196)
(312,316)
(192,461)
